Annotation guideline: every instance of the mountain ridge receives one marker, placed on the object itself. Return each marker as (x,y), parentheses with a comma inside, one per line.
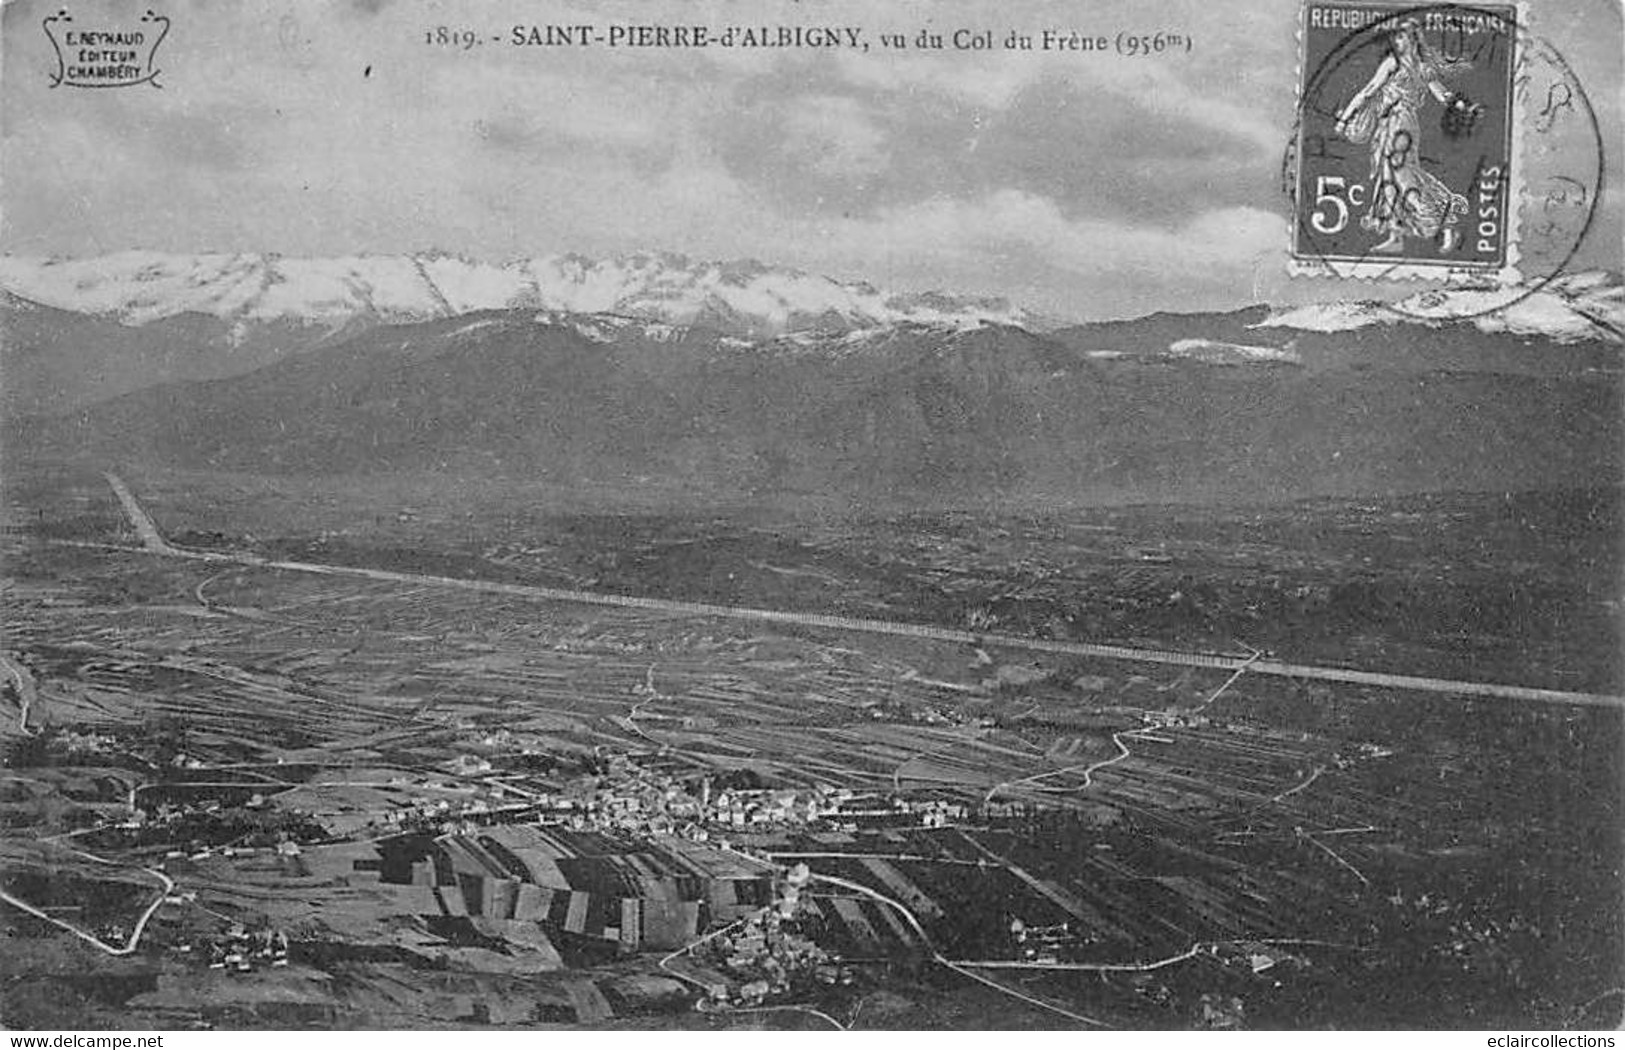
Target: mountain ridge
(741,297)
(670,381)
(1191,410)
(1589,305)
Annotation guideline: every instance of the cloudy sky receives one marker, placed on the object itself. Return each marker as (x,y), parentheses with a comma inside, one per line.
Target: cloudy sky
(1084,185)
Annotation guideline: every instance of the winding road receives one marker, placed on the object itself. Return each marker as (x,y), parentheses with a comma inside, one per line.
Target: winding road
(134,941)
(23,681)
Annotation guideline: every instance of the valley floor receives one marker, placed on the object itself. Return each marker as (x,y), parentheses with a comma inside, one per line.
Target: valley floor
(237,796)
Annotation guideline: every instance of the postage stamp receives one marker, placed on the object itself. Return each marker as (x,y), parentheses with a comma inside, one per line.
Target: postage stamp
(1406,141)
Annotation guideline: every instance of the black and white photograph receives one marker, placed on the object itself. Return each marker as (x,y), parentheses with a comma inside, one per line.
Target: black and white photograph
(710,517)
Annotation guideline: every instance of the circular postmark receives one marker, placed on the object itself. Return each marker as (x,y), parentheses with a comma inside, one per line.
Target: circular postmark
(1439,141)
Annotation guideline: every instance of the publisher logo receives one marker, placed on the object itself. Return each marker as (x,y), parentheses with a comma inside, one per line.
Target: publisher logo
(105,55)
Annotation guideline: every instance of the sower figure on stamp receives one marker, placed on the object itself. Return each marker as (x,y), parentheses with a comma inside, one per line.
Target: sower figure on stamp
(1406,200)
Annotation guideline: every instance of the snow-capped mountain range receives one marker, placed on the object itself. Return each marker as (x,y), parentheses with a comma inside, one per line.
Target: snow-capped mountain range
(1570,308)
(743,298)
(751,380)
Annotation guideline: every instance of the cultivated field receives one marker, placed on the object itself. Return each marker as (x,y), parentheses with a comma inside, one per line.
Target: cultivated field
(1005,838)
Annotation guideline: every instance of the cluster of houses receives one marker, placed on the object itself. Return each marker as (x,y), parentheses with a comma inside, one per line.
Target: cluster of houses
(673,811)
(242,950)
(762,957)
(628,797)
(71,743)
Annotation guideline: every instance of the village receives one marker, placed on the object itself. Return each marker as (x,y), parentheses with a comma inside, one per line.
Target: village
(278,795)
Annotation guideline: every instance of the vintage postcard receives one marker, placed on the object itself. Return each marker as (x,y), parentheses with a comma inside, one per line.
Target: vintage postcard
(693,516)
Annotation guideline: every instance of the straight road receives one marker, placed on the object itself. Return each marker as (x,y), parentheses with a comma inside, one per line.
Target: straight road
(152,540)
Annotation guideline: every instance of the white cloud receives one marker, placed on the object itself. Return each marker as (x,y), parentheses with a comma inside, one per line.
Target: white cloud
(267,136)
(995,82)
(1218,243)
(835,136)
(989,83)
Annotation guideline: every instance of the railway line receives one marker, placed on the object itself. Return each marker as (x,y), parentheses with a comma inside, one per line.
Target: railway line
(153,541)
